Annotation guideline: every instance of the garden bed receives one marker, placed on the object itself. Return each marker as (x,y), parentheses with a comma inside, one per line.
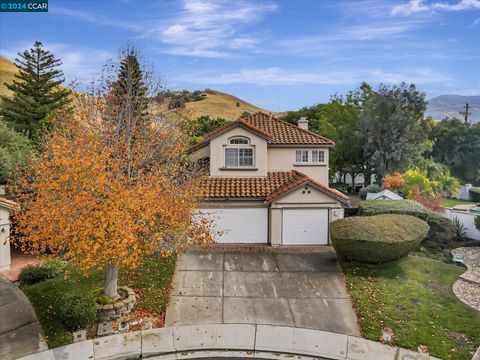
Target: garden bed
(413,297)
(150,281)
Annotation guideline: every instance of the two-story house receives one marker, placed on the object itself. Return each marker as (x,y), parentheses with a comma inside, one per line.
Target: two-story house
(268,182)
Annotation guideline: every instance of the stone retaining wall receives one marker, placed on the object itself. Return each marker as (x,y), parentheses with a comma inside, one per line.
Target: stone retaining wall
(229,340)
(119,309)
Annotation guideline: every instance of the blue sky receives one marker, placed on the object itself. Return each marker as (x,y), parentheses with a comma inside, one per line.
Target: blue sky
(277,54)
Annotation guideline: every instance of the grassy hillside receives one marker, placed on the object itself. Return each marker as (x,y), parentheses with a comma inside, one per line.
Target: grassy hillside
(218,104)
(7,72)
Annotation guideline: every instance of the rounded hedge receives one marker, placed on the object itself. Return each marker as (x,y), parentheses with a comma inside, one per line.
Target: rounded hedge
(403,207)
(77,311)
(377,239)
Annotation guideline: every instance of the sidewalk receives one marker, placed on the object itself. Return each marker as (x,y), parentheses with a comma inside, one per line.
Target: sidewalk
(20,331)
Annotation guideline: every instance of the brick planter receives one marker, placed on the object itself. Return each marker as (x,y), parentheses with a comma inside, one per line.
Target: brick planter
(118,309)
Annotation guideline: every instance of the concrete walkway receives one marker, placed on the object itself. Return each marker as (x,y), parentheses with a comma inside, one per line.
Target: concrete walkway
(300,290)
(20,331)
(467,287)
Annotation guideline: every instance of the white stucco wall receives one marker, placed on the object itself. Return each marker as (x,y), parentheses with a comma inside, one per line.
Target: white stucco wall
(304,197)
(4,239)
(283,159)
(217,159)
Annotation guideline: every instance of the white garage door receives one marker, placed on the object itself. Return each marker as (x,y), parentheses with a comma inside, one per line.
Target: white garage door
(245,225)
(305,226)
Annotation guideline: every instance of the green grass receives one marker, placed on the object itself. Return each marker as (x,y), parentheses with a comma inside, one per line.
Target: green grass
(448,203)
(413,297)
(153,278)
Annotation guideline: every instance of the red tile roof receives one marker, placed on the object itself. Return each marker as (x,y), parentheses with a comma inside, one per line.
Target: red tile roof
(277,132)
(266,188)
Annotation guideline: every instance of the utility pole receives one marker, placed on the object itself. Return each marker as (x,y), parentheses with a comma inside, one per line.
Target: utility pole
(466,113)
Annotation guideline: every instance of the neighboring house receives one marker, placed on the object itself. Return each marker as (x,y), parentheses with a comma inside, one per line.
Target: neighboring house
(268,182)
(384,195)
(6,206)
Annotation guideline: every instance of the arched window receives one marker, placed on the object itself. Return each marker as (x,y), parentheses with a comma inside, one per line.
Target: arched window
(239,153)
(239,140)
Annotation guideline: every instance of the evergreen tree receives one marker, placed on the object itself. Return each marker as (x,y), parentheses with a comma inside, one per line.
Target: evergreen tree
(128,102)
(36,94)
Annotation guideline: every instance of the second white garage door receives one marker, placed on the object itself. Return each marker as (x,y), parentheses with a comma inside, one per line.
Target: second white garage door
(241,225)
(305,227)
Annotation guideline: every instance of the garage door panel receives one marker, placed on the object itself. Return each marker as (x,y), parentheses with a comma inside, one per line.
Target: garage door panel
(305,226)
(240,225)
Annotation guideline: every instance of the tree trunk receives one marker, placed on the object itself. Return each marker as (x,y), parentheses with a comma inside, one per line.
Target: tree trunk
(111,282)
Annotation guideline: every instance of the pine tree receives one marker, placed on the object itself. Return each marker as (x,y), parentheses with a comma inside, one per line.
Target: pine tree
(128,98)
(36,94)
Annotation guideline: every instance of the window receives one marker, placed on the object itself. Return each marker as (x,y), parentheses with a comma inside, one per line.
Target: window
(238,140)
(301,156)
(238,153)
(318,156)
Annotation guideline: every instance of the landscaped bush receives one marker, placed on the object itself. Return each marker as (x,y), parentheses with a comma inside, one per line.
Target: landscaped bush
(377,239)
(374,188)
(401,207)
(32,274)
(442,230)
(477,222)
(77,310)
(475,194)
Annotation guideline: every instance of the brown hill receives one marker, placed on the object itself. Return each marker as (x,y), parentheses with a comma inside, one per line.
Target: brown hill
(7,74)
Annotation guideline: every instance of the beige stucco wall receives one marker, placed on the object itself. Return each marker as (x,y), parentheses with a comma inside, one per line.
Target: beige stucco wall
(283,159)
(300,198)
(217,160)
(4,239)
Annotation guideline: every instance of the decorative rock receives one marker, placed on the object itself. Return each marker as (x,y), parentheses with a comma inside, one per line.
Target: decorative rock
(105,328)
(80,335)
(119,309)
(123,325)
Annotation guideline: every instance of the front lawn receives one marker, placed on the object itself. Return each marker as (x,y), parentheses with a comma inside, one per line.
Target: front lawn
(152,280)
(448,203)
(413,297)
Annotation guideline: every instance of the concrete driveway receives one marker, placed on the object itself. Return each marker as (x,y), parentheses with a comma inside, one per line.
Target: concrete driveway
(303,290)
(20,332)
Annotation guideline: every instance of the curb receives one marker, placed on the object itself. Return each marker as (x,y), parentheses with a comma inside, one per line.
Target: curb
(228,340)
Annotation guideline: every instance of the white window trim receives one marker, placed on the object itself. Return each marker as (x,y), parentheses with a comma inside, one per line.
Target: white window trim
(310,157)
(239,146)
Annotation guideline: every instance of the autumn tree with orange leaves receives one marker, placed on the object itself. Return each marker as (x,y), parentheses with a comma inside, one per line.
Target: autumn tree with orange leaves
(113,185)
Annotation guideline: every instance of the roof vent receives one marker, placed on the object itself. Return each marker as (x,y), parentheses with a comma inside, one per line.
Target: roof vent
(303,123)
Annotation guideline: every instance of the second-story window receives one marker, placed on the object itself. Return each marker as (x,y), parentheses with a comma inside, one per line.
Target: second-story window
(318,156)
(301,156)
(239,153)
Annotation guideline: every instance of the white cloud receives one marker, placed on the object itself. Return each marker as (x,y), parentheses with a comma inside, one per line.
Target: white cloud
(281,76)
(417,6)
(210,28)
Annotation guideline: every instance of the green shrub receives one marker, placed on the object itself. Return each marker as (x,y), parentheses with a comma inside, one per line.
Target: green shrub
(477,222)
(77,310)
(442,230)
(377,239)
(400,207)
(32,274)
(475,194)
(373,188)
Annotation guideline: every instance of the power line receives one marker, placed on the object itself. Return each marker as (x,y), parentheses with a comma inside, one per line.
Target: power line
(466,113)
